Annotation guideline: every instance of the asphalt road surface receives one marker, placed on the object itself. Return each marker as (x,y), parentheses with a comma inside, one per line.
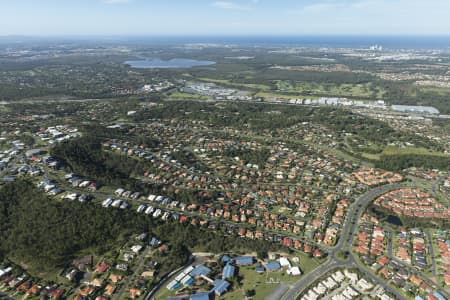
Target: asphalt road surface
(344,245)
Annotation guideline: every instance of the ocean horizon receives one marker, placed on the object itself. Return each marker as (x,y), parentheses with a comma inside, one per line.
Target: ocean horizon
(313,41)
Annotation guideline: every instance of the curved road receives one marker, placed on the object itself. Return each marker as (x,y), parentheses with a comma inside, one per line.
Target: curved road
(344,245)
(167,277)
(355,212)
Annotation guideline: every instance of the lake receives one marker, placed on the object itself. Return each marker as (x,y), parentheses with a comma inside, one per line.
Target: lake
(156,63)
(394,220)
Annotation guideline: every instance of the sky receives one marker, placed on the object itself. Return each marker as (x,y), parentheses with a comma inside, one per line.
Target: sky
(224,17)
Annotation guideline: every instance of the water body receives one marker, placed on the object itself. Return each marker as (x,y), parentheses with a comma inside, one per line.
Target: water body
(394,220)
(391,42)
(346,41)
(388,42)
(175,63)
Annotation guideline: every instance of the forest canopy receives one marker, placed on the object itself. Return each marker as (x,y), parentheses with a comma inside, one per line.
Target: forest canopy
(45,233)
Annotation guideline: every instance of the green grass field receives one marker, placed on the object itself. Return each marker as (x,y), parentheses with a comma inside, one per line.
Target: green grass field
(305,88)
(439,90)
(222,81)
(263,284)
(281,95)
(392,150)
(261,87)
(371,156)
(355,90)
(4,108)
(186,96)
(266,283)
(258,282)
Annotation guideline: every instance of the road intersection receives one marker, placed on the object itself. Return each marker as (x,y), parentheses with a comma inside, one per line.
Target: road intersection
(343,247)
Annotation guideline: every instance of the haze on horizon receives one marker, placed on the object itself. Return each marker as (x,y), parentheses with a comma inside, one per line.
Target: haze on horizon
(226,17)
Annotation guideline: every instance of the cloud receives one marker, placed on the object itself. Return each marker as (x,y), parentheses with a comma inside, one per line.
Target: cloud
(320,7)
(115,1)
(229,5)
(367,17)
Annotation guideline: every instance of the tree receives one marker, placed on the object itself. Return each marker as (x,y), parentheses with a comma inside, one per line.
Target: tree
(48,234)
(250,293)
(261,254)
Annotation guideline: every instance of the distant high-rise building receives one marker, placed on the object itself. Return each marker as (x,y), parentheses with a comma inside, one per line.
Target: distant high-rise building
(376,48)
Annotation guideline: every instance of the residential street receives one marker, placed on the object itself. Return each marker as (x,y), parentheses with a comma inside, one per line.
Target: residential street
(432,254)
(344,246)
(390,242)
(136,269)
(168,277)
